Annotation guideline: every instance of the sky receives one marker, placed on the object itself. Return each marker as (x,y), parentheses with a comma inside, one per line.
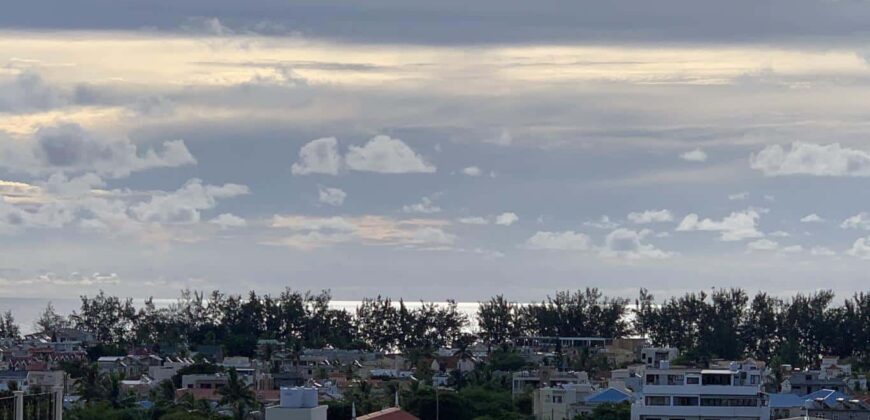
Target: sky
(434,150)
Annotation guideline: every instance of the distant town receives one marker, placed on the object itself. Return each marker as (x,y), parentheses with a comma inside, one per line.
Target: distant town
(576,355)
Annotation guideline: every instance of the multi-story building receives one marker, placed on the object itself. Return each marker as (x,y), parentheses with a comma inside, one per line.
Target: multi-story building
(702,394)
(527,380)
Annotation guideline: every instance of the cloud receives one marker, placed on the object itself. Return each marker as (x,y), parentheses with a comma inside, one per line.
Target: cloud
(28,93)
(70,149)
(506,219)
(184,205)
(383,154)
(318,156)
(474,220)
(762,245)
(311,232)
(821,251)
(472,171)
(860,249)
(425,206)
(651,216)
(331,196)
(559,241)
(228,220)
(627,243)
(734,227)
(858,221)
(696,155)
(603,222)
(812,218)
(811,159)
(739,196)
(767,245)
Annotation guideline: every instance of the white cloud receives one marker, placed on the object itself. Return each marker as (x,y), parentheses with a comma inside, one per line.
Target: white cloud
(627,243)
(312,232)
(472,171)
(780,234)
(696,155)
(184,205)
(651,216)
(69,149)
(387,155)
(331,196)
(811,159)
(228,220)
(739,196)
(603,222)
(769,245)
(762,245)
(821,251)
(812,218)
(560,241)
(860,249)
(506,219)
(858,221)
(425,206)
(475,220)
(734,227)
(318,156)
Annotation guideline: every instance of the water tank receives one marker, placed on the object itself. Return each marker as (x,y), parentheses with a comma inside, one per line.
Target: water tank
(291,397)
(309,397)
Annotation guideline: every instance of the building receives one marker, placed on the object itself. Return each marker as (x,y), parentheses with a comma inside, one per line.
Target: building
(297,404)
(653,356)
(528,380)
(565,402)
(809,381)
(701,394)
(835,405)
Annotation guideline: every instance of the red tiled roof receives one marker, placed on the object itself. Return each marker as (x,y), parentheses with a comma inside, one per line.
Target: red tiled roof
(392,413)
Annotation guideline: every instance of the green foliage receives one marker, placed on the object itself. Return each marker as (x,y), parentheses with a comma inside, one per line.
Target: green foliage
(727,324)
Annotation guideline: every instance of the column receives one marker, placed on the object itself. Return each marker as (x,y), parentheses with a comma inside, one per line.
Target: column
(58,403)
(19,405)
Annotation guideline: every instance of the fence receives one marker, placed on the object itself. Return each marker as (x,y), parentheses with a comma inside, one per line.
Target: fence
(40,406)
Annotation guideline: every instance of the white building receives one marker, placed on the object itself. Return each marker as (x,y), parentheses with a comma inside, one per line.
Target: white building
(653,356)
(556,402)
(528,380)
(297,404)
(702,394)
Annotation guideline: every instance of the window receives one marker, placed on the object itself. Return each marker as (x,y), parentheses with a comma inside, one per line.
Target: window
(652,379)
(658,401)
(686,401)
(557,399)
(675,379)
(716,379)
(693,380)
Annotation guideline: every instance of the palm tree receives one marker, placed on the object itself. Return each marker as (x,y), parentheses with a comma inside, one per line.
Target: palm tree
(237,394)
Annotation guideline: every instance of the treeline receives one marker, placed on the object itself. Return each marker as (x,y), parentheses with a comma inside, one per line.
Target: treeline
(725,323)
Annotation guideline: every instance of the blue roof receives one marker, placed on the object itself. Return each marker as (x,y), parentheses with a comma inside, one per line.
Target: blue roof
(609,395)
(785,400)
(829,396)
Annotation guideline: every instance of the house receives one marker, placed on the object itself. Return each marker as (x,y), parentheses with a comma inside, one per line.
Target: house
(46,380)
(115,365)
(835,405)
(526,380)
(809,381)
(653,356)
(557,402)
(785,405)
(689,393)
(13,379)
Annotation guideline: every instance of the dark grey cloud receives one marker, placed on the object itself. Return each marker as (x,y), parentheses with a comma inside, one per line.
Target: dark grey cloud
(460,22)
